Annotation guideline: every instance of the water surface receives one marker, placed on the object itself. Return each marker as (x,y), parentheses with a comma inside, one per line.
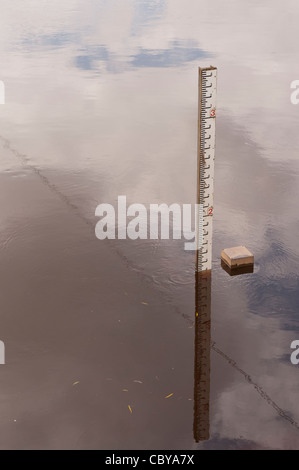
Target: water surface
(101,101)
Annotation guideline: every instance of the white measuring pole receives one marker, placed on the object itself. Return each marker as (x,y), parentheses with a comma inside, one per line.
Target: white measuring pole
(205,165)
(205,191)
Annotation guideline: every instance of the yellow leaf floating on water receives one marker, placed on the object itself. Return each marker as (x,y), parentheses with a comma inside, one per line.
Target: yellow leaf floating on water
(170,395)
(130,409)
(125,390)
(76,383)
(144,303)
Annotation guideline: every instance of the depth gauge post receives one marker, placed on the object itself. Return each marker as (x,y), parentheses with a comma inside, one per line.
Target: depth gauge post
(207,87)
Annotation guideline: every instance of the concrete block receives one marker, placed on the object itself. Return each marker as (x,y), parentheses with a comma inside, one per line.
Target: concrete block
(237,257)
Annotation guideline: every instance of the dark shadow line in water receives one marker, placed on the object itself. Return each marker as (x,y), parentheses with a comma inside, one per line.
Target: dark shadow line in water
(45,181)
(259,389)
(25,162)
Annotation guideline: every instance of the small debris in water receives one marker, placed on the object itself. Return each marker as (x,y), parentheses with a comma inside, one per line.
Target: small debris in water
(170,395)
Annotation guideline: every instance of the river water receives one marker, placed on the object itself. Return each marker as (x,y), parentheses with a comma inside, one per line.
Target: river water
(101,101)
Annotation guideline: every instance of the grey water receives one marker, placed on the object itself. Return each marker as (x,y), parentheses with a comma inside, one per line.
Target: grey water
(101,101)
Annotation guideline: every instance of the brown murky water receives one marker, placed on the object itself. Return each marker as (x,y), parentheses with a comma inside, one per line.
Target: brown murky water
(101,101)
